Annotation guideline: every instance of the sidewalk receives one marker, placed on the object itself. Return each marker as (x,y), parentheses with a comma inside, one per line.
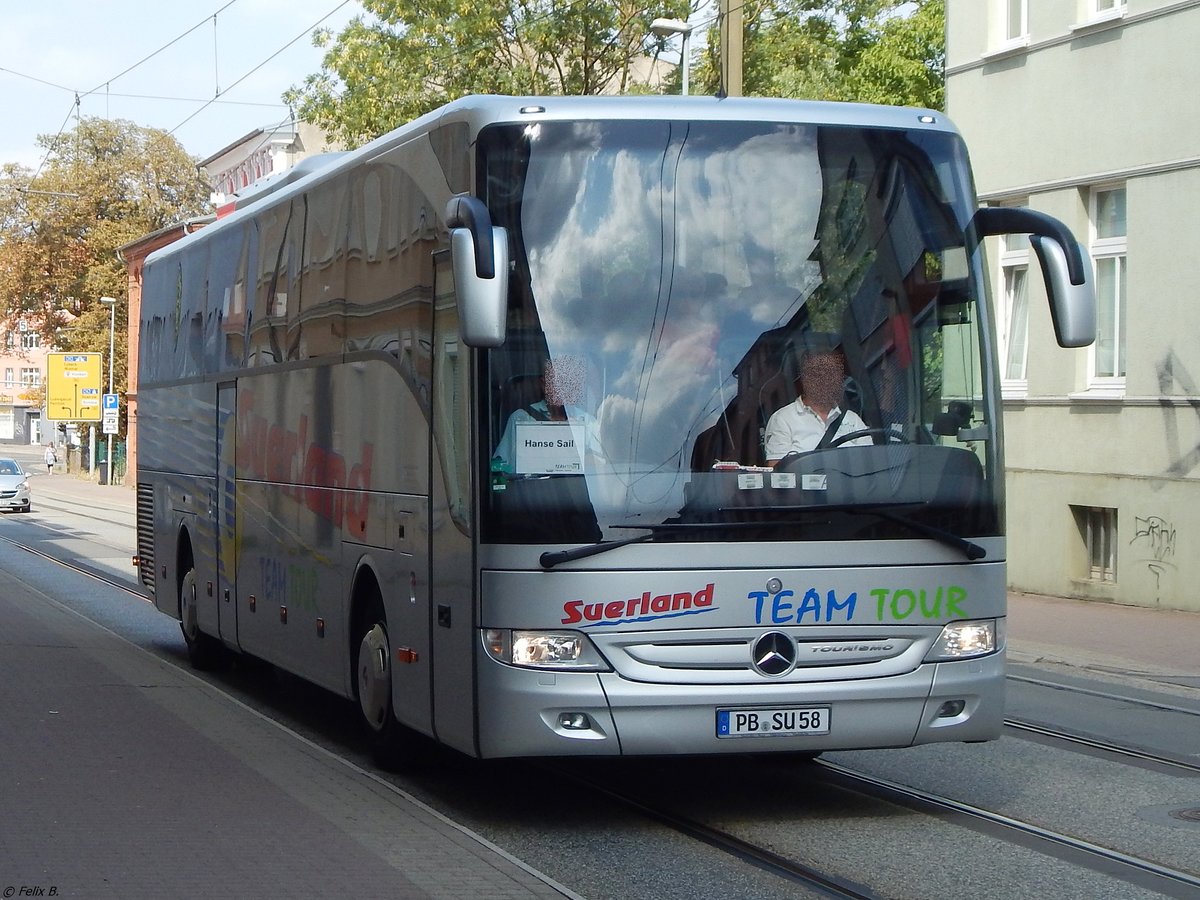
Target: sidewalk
(126,776)
(1126,640)
(78,486)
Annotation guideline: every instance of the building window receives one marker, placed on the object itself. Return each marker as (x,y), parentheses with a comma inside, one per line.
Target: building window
(1109,260)
(1008,31)
(1098,13)
(30,340)
(8,378)
(1016,21)
(1098,529)
(1013,315)
(31,377)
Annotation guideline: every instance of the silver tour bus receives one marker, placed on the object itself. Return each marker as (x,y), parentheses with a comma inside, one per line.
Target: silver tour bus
(566,426)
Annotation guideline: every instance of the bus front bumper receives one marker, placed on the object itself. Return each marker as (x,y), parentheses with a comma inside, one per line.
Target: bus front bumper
(536,713)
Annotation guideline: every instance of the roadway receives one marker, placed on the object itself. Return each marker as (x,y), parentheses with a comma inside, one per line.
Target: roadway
(126,774)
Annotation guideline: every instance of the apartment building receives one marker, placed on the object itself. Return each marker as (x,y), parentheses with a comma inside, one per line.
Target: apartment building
(22,379)
(1086,109)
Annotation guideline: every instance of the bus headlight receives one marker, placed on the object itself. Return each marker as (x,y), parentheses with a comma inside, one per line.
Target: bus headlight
(963,640)
(544,650)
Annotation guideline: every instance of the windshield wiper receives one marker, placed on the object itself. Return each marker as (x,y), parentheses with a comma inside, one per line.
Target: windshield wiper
(969,549)
(552,558)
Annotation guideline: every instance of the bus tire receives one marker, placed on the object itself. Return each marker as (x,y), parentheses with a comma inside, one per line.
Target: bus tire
(391,742)
(204,651)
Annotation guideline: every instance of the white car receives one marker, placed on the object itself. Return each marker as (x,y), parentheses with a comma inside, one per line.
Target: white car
(14,486)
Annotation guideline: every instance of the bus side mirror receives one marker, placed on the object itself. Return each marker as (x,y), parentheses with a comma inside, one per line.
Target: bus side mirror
(1072,306)
(479,256)
(1067,275)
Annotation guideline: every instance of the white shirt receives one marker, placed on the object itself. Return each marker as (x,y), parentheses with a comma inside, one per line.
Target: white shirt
(796,428)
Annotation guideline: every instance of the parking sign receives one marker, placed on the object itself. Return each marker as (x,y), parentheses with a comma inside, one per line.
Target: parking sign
(111,409)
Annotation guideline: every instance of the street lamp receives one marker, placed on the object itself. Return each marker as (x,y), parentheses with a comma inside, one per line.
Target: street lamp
(664,28)
(111,303)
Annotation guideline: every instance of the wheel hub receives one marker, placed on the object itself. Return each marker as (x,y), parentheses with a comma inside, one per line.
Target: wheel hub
(374,677)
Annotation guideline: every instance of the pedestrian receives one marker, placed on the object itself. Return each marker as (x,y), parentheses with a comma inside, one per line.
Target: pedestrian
(51,458)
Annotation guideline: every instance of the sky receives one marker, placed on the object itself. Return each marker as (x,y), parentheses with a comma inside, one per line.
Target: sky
(53,50)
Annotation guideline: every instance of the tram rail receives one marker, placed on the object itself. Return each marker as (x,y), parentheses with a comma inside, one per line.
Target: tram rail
(1143,873)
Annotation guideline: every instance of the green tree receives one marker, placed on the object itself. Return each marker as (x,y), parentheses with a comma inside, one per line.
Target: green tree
(875,51)
(409,57)
(102,186)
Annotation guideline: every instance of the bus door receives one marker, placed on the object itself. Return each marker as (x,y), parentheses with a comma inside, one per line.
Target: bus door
(225,511)
(452,573)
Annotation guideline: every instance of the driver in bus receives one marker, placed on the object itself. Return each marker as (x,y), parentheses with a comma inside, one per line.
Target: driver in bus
(814,418)
(562,384)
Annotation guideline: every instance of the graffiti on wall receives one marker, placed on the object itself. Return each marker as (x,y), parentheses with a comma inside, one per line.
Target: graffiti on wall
(1155,538)
(1174,378)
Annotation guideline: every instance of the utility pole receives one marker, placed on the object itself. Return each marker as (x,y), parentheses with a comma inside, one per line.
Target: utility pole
(731,47)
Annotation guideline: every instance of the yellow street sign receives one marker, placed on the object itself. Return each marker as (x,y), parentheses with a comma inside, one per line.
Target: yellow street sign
(73,387)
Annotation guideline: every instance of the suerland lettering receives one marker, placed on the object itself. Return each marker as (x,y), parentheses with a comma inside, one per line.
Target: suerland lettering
(638,609)
(311,474)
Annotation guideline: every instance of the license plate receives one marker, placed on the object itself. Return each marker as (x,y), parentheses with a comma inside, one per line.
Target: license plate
(733,723)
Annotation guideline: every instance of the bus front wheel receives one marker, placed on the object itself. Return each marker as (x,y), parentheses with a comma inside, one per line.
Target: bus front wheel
(390,741)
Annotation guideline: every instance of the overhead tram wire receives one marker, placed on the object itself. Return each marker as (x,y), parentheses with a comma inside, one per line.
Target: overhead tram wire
(165,46)
(79,96)
(217,99)
(305,32)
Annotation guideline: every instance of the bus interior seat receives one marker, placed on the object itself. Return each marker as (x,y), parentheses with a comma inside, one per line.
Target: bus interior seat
(517,392)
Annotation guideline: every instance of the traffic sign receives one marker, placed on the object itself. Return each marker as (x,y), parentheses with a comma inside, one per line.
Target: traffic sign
(112,411)
(73,387)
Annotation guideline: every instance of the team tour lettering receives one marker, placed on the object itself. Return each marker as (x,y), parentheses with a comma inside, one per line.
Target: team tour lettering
(891,604)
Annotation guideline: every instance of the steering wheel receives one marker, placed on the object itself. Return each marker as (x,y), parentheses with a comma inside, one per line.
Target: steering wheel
(891,436)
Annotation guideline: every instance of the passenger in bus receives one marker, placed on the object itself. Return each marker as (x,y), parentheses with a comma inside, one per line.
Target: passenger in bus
(562,388)
(814,419)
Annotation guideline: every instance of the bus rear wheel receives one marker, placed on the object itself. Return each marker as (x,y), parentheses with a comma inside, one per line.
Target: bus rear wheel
(204,651)
(391,742)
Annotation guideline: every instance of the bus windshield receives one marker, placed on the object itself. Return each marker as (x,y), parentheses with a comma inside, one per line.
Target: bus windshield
(773,326)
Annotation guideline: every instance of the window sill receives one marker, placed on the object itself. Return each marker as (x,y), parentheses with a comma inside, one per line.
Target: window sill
(1007,49)
(1014,390)
(1099,21)
(1099,393)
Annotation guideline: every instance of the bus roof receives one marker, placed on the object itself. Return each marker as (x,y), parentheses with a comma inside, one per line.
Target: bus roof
(481,110)
(489,109)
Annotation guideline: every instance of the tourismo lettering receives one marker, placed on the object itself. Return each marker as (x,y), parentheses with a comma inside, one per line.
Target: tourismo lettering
(310,474)
(638,609)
